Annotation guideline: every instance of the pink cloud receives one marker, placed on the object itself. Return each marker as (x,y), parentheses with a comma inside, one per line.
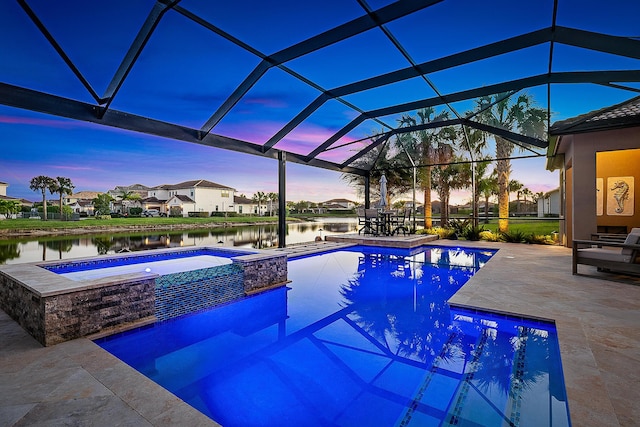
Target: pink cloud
(72,168)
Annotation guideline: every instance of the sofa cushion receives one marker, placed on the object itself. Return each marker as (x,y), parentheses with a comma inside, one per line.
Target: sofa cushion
(604,254)
(633,238)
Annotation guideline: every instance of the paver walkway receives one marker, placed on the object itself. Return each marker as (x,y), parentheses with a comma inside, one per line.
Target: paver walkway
(598,321)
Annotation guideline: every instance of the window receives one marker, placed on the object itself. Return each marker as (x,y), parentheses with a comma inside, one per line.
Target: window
(224,194)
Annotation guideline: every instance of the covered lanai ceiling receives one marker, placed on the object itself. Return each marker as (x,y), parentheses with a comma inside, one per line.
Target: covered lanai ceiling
(318,80)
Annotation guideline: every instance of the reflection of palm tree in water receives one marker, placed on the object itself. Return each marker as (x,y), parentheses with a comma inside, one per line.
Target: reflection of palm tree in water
(409,317)
(103,244)
(499,366)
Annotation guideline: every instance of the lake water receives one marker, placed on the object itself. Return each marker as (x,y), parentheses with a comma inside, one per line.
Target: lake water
(47,248)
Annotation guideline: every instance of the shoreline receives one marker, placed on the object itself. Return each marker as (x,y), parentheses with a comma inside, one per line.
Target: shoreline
(93,229)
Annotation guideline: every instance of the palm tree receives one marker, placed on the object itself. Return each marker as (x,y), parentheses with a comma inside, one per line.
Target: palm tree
(452,176)
(474,142)
(380,161)
(63,186)
(271,197)
(487,186)
(259,197)
(526,192)
(514,187)
(422,144)
(102,204)
(43,183)
(126,196)
(519,115)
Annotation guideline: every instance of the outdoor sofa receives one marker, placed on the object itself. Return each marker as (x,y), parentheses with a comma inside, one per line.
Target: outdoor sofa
(609,256)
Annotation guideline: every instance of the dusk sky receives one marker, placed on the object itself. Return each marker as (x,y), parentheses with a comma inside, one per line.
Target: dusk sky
(186,72)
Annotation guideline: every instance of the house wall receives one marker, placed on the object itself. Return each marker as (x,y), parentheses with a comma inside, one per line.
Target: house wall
(213,199)
(549,204)
(580,177)
(3,189)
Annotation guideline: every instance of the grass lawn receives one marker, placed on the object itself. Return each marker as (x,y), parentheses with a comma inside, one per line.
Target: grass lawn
(542,227)
(31,224)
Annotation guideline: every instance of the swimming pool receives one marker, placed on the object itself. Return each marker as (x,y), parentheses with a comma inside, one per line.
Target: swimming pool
(362,336)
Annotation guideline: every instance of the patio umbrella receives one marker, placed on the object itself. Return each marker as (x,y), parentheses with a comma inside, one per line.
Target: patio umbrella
(383,191)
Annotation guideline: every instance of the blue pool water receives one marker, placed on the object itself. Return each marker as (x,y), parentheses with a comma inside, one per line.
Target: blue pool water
(360,337)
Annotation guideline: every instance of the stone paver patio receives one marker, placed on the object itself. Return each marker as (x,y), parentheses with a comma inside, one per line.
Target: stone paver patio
(598,321)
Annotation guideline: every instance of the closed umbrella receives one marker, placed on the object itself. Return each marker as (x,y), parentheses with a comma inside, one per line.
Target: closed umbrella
(383,192)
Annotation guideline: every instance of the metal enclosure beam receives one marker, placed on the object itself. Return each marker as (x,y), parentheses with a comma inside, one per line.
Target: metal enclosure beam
(282,199)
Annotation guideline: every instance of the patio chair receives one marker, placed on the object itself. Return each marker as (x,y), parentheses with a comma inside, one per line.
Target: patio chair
(609,256)
(399,222)
(370,223)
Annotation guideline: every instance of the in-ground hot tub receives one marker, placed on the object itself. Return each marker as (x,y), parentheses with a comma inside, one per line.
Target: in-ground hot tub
(160,263)
(60,300)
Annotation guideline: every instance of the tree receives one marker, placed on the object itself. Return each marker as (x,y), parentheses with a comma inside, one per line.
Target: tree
(498,111)
(259,197)
(382,160)
(62,186)
(126,197)
(271,197)
(514,187)
(422,144)
(43,183)
(526,192)
(487,186)
(102,204)
(8,207)
(447,177)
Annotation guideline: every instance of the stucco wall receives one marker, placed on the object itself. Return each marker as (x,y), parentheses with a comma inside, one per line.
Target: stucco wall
(612,164)
(580,163)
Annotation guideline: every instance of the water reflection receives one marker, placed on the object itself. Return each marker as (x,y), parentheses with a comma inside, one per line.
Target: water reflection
(20,250)
(8,251)
(400,302)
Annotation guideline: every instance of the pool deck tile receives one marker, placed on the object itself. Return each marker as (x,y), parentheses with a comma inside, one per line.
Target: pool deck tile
(596,314)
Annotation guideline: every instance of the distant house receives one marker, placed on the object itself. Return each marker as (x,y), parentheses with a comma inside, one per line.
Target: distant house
(190,196)
(3,188)
(119,204)
(119,190)
(82,202)
(83,206)
(246,206)
(80,195)
(337,205)
(549,203)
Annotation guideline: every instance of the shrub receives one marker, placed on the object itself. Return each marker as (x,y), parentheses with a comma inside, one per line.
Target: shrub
(458,225)
(443,233)
(539,239)
(199,214)
(489,236)
(513,236)
(472,232)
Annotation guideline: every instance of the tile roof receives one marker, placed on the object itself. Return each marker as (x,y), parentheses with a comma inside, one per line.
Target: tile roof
(183,198)
(242,200)
(203,183)
(621,115)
